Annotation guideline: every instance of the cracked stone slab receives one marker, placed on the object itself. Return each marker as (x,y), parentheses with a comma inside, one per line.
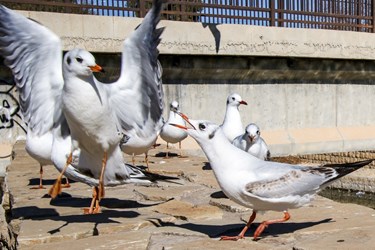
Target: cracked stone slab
(164,193)
(187,211)
(228,205)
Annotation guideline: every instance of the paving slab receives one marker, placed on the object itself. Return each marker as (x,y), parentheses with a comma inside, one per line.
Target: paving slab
(191,213)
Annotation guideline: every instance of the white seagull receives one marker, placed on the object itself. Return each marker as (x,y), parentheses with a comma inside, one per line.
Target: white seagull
(261,185)
(39,147)
(170,133)
(144,132)
(88,119)
(232,124)
(252,143)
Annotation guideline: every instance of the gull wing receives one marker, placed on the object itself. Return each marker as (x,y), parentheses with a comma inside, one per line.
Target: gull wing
(34,55)
(137,97)
(295,181)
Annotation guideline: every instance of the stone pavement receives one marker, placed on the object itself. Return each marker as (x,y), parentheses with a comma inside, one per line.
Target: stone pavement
(189,214)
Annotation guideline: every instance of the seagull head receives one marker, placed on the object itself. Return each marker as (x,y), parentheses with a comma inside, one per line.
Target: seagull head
(200,130)
(175,107)
(235,100)
(253,132)
(81,63)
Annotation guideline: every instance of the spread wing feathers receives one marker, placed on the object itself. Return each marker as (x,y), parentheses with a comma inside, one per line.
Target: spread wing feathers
(139,87)
(299,181)
(33,53)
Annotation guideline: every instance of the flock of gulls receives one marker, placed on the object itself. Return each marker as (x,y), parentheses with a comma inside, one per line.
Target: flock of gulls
(83,126)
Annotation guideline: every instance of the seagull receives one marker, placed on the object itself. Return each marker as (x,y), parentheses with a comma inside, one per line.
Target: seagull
(88,119)
(252,143)
(232,124)
(144,132)
(170,133)
(39,147)
(257,184)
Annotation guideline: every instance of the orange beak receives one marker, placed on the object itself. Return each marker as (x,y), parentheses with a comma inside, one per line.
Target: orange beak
(178,126)
(96,68)
(186,119)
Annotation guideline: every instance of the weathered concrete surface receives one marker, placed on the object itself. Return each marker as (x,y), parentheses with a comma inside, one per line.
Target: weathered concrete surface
(189,214)
(105,34)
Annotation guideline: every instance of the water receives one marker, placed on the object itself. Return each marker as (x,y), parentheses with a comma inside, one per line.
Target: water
(347,196)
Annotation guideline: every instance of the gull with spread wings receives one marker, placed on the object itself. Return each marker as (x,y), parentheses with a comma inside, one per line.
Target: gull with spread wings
(88,119)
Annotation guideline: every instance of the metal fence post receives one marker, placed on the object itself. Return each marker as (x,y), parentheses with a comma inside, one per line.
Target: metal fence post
(142,8)
(272,13)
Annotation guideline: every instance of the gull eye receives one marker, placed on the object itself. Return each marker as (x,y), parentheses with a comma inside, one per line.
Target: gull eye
(233,98)
(202,126)
(258,132)
(80,60)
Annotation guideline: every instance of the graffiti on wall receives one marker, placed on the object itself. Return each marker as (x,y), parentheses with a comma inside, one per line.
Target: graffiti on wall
(10,112)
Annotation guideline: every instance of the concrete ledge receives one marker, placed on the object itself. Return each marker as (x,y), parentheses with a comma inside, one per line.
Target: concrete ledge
(320,140)
(105,34)
(307,141)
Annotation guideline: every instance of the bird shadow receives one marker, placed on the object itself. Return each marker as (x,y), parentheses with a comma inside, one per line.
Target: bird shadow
(215,231)
(49,182)
(164,155)
(207,166)
(218,195)
(69,201)
(40,214)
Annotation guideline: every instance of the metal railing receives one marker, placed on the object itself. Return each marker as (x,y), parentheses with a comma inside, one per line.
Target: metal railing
(353,15)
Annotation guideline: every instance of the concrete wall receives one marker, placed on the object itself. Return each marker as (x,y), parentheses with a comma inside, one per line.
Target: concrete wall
(310,91)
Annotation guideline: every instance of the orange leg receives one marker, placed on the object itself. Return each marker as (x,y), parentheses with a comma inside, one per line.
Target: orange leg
(179,146)
(133,159)
(101,183)
(94,207)
(265,224)
(242,234)
(67,184)
(40,179)
(56,188)
(167,155)
(146,160)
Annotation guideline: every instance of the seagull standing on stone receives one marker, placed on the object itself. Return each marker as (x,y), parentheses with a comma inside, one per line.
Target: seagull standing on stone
(39,146)
(232,124)
(261,185)
(64,97)
(252,143)
(170,133)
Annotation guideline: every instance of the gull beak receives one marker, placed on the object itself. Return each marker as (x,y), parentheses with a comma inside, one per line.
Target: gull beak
(251,138)
(243,102)
(96,68)
(178,126)
(186,119)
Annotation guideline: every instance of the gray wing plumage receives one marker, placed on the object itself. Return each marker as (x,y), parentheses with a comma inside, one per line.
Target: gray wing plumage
(137,97)
(299,180)
(294,182)
(33,53)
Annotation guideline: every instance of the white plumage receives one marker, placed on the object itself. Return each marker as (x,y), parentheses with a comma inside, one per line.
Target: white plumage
(261,185)
(170,133)
(252,143)
(87,119)
(232,124)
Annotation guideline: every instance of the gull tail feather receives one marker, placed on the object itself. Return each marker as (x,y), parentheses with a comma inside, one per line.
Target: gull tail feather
(347,168)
